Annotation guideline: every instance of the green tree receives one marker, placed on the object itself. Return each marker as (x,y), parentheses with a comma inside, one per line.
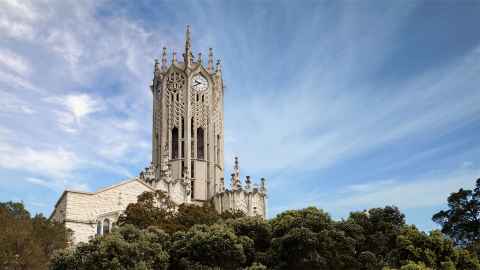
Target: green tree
(126,248)
(461,221)
(151,209)
(378,231)
(209,246)
(25,242)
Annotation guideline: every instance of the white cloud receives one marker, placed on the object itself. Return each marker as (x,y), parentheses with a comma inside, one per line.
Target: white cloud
(14,62)
(38,181)
(423,191)
(57,163)
(74,108)
(18,18)
(10,103)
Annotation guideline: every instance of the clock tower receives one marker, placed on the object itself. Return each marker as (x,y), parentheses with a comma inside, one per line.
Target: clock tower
(188,125)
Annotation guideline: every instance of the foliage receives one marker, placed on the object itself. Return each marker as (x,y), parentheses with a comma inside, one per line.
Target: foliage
(156,209)
(151,209)
(125,248)
(154,234)
(26,242)
(209,246)
(462,220)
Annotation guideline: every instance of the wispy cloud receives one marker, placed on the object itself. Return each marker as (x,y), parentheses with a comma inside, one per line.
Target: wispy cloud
(74,108)
(423,191)
(317,94)
(14,62)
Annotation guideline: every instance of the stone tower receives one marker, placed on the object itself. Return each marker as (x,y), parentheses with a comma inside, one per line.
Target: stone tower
(187,153)
(188,121)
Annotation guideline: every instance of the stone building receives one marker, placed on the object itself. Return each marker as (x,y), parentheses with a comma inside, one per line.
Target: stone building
(187,152)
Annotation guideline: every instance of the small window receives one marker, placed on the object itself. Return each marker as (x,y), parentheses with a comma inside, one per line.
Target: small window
(99,228)
(197,97)
(106,226)
(203,98)
(177,96)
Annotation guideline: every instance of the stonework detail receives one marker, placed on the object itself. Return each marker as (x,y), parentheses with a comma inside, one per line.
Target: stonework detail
(187,152)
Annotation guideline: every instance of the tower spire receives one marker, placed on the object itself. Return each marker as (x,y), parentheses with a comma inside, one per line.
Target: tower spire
(188,56)
(210,60)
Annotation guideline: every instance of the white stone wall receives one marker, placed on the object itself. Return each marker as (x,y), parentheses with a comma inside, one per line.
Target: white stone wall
(59,212)
(83,210)
(82,232)
(252,203)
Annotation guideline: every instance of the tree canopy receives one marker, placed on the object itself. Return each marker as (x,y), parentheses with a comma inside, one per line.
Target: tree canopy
(461,221)
(27,242)
(196,237)
(154,234)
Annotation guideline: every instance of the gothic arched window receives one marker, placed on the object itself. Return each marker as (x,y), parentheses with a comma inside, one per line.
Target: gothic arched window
(200,144)
(99,228)
(218,149)
(174,143)
(106,226)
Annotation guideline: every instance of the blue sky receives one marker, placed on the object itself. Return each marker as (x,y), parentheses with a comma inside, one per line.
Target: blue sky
(342,105)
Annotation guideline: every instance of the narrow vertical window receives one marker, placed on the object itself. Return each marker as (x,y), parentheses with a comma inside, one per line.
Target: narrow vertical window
(183,128)
(99,228)
(218,149)
(200,144)
(183,149)
(106,226)
(174,143)
(183,169)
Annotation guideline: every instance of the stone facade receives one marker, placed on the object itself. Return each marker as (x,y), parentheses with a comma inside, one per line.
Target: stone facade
(187,152)
(82,211)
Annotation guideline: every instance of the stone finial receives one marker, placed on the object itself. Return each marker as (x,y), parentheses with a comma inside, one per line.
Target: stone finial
(199,58)
(248,182)
(188,45)
(236,168)
(210,60)
(233,184)
(263,186)
(218,67)
(174,57)
(164,59)
(156,66)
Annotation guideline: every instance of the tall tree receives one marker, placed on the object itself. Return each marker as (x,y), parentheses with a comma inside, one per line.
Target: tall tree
(25,242)
(461,221)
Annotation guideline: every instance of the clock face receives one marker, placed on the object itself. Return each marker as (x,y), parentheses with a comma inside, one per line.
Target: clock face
(199,83)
